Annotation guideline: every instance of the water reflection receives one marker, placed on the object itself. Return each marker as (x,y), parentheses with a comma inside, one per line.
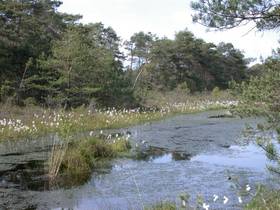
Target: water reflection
(33,175)
(160,155)
(26,176)
(250,156)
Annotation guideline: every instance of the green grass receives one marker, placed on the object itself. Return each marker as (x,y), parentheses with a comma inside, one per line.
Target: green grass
(162,206)
(84,155)
(265,200)
(18,123)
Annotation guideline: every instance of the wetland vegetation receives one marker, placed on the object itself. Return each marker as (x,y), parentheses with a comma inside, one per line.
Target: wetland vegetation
(89,121)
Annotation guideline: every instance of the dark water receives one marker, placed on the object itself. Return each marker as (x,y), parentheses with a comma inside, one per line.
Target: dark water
(191,154)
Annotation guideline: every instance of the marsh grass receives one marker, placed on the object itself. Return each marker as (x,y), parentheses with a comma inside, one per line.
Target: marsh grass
(161,99)
(56,158)
(162,206)
(59,148)
(264,199)
(76,160)
(17,122)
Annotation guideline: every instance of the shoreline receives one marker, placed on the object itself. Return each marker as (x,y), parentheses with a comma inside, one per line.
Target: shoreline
(43,122)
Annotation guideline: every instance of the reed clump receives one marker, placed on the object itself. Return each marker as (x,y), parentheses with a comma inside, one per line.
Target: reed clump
(78,159)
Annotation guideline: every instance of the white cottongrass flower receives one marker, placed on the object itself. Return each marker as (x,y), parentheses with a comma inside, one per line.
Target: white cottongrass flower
(216,197)
(248,188)
(101,132)
(91,133)
(225,199)
(240,200)
(183,203)
(205,206)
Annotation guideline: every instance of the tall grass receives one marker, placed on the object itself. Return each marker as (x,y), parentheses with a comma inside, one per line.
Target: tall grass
(59,148)
(56,158)
(75,160)
(264,199)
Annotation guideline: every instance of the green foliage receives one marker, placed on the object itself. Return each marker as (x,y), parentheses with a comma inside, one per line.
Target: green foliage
(121,146)
(192,61)
(86,66)
(30,101)
(49,59)
(162,206)
(47,56)
(34,121)
(139,47)
(226,14)
(264,199)
(84,154)
(261,96)
(184,87)
(6,90)
(27,28)
(216,92)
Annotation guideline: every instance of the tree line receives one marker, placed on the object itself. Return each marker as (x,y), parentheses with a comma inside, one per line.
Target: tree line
(186,61)
(49,58)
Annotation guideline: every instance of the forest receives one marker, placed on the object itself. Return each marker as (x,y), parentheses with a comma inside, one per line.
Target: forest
(51,59)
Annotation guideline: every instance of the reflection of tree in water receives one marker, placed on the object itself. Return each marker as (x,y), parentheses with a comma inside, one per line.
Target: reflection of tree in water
(180,156)
(151,153)
(26,176)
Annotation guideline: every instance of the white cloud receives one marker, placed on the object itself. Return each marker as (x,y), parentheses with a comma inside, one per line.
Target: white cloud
(165,17)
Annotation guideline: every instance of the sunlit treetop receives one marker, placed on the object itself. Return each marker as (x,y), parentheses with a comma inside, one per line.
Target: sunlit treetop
(227,14)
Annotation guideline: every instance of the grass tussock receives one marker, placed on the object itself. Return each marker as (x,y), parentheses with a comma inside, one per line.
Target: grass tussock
(84,155)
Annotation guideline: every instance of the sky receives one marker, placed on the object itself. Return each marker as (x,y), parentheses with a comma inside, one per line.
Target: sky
(165,18)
